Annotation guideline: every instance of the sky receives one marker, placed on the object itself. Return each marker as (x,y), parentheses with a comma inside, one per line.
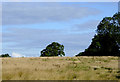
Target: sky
(60,0)
(28,27)
(119,6)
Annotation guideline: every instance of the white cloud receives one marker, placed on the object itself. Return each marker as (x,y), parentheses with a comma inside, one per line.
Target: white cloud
(16,54)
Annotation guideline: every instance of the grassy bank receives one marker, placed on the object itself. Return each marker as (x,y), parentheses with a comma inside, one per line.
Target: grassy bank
(60,68)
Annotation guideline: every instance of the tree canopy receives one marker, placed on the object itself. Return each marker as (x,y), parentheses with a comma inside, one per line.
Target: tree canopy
(107,40)
(54,49)
(5,55)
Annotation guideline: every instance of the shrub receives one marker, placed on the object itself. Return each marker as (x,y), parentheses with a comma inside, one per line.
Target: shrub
(54,49)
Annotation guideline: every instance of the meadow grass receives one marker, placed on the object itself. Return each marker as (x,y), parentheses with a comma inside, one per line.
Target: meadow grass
(60,68)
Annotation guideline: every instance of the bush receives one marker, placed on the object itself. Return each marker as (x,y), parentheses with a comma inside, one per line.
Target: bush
(54,49)
(5,55)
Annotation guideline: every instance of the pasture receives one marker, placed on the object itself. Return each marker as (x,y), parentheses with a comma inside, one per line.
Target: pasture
(60,68)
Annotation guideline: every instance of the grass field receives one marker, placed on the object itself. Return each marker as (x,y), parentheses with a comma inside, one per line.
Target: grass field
(60,68)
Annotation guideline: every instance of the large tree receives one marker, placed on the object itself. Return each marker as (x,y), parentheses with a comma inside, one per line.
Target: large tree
(107,40)
(54,49)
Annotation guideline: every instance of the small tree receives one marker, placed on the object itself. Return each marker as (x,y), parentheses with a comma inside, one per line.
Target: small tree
(54,49)
(5,55)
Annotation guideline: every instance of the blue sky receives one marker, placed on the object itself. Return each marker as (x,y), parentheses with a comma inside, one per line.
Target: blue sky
(28,27)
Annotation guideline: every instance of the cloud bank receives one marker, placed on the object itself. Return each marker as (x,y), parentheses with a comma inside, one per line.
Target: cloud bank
(16,55)
(26,13)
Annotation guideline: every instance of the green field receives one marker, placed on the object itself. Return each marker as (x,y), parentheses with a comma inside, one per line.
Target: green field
(60,68)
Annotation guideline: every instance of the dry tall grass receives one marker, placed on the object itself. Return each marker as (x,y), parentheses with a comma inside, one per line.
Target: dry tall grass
(60,68)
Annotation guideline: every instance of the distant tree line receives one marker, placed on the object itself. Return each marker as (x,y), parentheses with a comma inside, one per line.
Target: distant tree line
(107,40)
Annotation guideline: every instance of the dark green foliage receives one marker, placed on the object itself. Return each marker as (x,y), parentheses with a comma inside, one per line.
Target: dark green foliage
(107,40)
(5,55)
(54,49)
